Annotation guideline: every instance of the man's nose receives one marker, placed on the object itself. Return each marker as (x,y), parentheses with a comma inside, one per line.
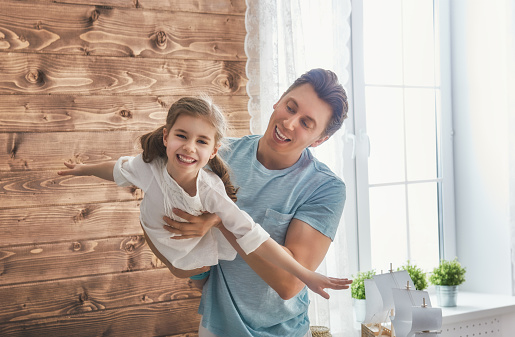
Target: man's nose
(290,123)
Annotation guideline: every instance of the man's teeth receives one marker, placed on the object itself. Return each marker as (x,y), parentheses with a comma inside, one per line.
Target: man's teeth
(186,160)
(280,135)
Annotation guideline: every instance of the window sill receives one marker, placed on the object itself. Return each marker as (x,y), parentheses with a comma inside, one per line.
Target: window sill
(473,306)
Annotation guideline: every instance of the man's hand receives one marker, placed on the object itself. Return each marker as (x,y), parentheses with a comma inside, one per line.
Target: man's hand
(195,226)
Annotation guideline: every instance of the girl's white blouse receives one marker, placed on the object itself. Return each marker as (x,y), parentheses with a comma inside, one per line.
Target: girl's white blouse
(162,194)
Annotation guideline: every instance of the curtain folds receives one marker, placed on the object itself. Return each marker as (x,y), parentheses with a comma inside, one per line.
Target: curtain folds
(286,38)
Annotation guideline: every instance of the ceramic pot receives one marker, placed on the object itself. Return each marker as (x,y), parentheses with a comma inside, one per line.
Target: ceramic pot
(360,309)
(446,296)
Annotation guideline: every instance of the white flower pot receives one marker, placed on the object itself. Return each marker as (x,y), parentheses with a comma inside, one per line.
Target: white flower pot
(360,310)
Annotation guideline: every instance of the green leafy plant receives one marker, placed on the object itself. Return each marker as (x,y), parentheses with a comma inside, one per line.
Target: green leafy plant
(358,284)
(418,276)
(448,273)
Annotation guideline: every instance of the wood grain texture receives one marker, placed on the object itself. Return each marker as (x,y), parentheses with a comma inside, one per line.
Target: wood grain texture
(48,151)
(233,7)
(60,113)
(89,75)
(110,31)
(80,81)
(20,190)
(176,318)
(52,261)
(76,222)
(92,293)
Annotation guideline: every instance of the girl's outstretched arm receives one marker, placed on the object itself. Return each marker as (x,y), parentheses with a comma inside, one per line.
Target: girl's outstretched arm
(303,243)
(101,170)
(271,251)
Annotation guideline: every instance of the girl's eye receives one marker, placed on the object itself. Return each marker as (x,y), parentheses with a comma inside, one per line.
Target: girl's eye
(181,136)
(202,142)
(305,124)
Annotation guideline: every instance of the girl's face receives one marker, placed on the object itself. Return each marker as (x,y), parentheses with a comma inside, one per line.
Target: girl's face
(190,144)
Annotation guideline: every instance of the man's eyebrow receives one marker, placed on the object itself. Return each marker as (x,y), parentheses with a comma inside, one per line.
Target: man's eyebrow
(294,101)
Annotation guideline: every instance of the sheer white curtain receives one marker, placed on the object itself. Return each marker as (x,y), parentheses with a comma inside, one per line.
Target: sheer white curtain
(285,38)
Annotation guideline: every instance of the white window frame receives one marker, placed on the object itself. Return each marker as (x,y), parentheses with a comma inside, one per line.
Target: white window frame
(358,186)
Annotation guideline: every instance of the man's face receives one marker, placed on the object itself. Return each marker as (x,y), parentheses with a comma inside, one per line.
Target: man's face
(298,121)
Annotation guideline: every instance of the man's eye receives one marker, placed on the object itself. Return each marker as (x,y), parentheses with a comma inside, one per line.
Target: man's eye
(290,109)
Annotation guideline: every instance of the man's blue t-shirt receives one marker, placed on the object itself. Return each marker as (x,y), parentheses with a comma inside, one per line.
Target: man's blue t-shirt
(236,302)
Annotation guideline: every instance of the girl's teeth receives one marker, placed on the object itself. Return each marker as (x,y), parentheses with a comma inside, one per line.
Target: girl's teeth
(186,160)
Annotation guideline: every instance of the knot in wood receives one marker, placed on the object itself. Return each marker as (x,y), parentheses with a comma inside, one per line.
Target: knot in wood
(229,83)
(34,76)
(161,40)
(83,297)
(76,246)
(95,15)
(126,113)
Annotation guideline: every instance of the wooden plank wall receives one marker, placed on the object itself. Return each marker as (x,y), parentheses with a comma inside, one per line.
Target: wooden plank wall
(80,80)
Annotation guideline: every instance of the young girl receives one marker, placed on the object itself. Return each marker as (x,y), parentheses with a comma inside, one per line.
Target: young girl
(171,173)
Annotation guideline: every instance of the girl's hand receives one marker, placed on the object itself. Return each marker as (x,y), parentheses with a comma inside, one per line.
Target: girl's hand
(318,282)
(74,170)
(195,226)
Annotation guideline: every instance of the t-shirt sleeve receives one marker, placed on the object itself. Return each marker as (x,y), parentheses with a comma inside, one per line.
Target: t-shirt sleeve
(132,171)
(324,208)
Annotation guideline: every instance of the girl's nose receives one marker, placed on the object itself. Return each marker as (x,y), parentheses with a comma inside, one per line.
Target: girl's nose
(188,147)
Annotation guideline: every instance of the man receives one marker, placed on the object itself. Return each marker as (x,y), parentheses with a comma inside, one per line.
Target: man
(293,196)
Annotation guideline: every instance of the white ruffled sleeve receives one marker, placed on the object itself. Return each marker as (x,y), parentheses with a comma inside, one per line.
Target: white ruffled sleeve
(249,234)
(132,171)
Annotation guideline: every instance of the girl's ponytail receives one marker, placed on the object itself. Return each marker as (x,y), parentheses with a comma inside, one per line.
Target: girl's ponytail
(152,145)
(220,169)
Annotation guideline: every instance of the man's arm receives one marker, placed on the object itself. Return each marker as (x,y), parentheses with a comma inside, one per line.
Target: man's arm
(304,243)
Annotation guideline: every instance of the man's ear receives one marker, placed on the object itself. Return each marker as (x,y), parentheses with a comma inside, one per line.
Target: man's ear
(215,151)
(320,141)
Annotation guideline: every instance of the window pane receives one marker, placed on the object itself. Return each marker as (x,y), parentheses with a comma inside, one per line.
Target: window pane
(385,127)
(419,54)
(382,41)
(420,134)
(388,236)
(423,224)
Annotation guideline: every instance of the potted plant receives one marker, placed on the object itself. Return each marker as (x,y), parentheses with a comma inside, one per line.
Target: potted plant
(358,293)
(418,276)
(446,278)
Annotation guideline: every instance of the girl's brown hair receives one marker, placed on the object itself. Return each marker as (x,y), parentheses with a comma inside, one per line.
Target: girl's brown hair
(153,145)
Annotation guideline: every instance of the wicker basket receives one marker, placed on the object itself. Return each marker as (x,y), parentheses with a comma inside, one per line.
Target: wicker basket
(368,331)
(320,331)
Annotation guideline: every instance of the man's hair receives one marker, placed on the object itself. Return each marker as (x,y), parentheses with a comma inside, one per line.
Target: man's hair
(328,89)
